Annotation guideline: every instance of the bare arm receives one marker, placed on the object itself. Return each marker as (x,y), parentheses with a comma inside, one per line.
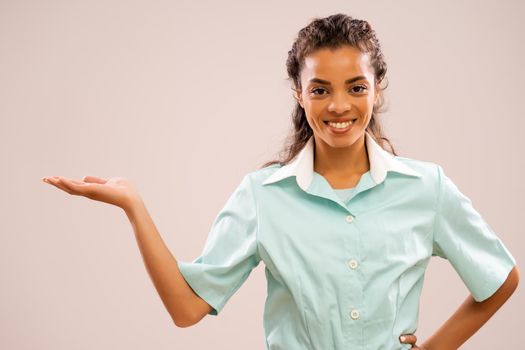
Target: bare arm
(184,306)
(470,316)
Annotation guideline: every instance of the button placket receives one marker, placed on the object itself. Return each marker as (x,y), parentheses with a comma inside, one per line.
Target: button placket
(353,264)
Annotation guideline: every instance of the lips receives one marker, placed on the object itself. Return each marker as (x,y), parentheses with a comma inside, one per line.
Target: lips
(339,131)
(341,120)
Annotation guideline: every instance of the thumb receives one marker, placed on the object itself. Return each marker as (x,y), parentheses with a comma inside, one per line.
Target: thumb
(94,179)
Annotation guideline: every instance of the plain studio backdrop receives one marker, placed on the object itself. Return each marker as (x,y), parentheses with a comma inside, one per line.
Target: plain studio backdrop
(184,98)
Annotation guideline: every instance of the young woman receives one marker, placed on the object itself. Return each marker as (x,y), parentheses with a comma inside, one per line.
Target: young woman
(345,228)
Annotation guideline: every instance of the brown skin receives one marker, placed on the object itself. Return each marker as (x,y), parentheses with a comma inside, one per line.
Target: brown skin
(184,306)
(470,316)
(342,159)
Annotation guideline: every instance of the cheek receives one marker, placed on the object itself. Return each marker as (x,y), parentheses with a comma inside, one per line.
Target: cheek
(313,121)
(366,105)
(314,109)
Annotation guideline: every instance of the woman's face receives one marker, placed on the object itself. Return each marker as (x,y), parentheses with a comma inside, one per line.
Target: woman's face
(337,86)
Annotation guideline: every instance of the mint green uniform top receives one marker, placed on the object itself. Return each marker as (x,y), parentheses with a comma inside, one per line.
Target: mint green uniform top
(344,193)
(345,274)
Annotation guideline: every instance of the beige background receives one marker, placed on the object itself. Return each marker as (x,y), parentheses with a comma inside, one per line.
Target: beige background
(184,98)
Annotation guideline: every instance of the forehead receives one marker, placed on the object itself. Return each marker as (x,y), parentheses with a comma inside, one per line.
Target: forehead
(337,64)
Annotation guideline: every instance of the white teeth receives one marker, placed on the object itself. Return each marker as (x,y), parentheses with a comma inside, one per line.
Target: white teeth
(340,125)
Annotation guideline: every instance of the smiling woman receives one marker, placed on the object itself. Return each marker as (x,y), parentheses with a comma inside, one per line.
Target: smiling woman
(338,75)
(335,106)
(345,269)
(345,273)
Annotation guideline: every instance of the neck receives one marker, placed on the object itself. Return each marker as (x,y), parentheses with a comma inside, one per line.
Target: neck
(345,162)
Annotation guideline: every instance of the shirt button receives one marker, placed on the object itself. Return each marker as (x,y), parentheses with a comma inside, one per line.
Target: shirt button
(354,314)
(349,218)
(352,263)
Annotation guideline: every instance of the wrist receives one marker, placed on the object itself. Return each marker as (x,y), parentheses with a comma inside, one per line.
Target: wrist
(132,206)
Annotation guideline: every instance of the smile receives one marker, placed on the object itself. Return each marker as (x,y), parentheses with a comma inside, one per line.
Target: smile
(339,128)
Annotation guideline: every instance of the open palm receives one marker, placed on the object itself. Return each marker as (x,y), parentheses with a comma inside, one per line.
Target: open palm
(116,190)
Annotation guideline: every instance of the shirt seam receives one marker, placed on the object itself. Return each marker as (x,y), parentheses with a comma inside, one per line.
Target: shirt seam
(437,210)
(252,193)
(222,302)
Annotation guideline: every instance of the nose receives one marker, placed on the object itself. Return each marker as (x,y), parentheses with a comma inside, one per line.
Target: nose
(339,103)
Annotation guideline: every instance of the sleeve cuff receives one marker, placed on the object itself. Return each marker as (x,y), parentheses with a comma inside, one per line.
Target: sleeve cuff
(494,279)
(193,274)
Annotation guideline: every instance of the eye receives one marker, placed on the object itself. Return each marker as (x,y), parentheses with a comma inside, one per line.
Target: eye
(360,86)
(316,89)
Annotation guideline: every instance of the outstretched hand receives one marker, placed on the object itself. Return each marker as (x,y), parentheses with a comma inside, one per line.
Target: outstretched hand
(116,190)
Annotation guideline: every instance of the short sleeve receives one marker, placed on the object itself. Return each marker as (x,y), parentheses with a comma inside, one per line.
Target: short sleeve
(462,236)
(230,251)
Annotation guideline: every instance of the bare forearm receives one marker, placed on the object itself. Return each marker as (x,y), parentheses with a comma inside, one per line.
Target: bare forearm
(162,267)
(464,323)
(470,317)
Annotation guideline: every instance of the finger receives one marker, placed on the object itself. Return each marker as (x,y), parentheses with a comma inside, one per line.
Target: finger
(75,181)
(55,181)
(72,186)
(409,339)
(48,178)
(94,179)
(71,183)
(52,180)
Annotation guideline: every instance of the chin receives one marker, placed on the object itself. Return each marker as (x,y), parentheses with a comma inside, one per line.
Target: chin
(341,141)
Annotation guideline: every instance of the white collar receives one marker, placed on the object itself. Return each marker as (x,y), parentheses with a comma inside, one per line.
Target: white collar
(302,166)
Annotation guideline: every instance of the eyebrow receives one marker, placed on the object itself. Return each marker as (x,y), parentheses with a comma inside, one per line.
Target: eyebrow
(326,82)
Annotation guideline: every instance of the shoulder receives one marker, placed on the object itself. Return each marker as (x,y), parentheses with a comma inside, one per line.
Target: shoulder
(428,169)
(431,174)
(437,180)
(257,177)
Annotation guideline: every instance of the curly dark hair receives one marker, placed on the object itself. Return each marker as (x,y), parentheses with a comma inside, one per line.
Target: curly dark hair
(332,32)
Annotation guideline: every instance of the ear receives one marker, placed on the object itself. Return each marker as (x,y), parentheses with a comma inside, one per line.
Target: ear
(298,97)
